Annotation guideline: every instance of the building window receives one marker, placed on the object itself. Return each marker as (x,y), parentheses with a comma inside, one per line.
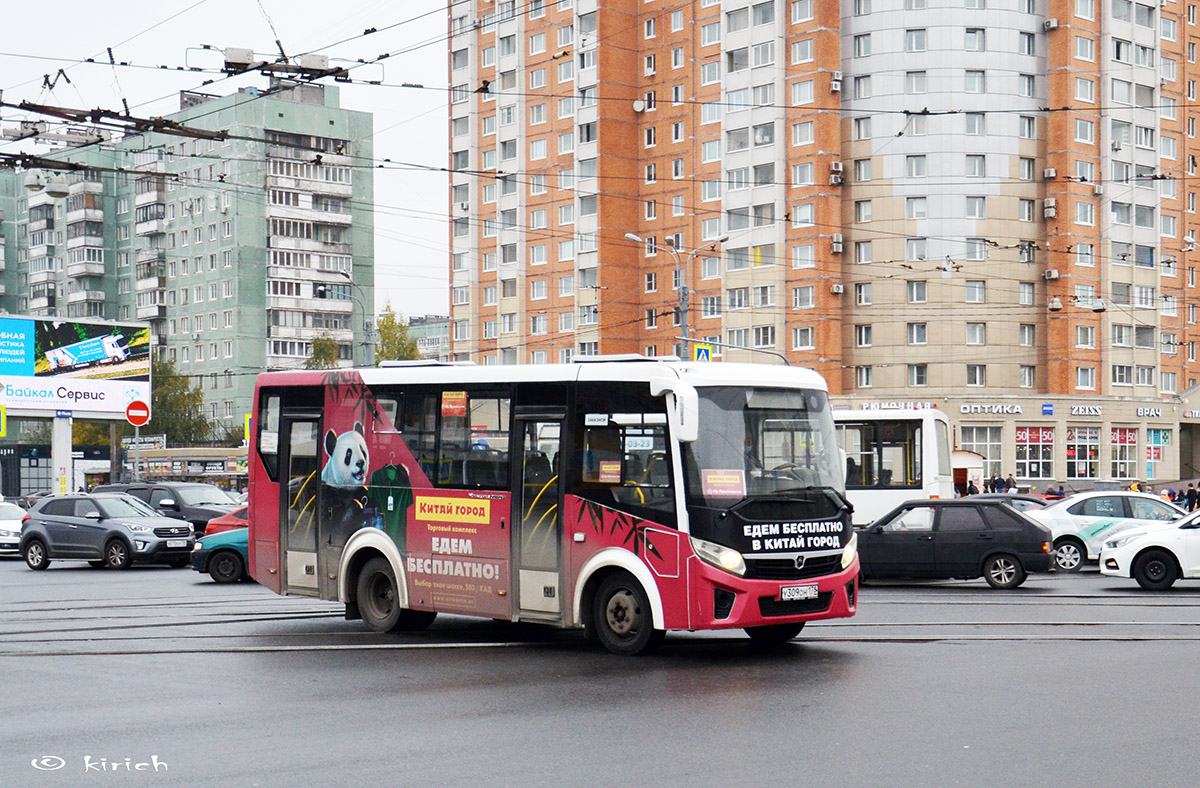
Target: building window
(918,374)
(1083,452)
(984,441)
(1124,452)
(1035,452)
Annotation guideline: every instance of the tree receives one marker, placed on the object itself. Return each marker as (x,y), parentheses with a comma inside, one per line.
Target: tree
(324,353)
(89,433)
(394,342)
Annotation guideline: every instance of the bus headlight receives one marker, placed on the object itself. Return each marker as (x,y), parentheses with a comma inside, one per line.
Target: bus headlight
(849,551)
(719,556)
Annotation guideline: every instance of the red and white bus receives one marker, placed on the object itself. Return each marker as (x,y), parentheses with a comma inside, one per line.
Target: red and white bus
(624,496)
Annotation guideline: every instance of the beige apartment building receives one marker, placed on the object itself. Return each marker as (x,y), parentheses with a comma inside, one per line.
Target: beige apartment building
(974,202)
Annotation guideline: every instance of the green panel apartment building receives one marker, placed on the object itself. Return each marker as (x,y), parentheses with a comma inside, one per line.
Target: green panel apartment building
(238,252)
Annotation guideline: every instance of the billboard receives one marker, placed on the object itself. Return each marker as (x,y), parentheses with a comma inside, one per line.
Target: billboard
(91,369)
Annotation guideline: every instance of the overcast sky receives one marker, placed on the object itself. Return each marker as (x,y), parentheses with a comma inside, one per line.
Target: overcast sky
(38,39)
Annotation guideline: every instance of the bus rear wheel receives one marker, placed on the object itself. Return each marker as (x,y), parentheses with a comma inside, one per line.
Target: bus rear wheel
(621,616)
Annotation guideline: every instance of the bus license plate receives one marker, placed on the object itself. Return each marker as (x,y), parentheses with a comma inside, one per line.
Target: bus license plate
(177,543)
(796,593)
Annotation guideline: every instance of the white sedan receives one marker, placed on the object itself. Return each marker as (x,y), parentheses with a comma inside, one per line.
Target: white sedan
(1155,557)
(1081,523)
(11,516)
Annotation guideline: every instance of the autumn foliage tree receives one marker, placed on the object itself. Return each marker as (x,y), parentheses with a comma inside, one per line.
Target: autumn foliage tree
(394,342)
(324,353)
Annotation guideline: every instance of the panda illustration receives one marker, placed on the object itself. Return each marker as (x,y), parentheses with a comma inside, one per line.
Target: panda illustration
(343,484)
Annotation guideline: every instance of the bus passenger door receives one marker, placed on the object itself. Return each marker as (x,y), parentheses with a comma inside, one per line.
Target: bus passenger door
(298,502)
(536,516)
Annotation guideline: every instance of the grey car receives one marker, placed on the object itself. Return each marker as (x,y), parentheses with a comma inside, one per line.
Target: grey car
(106,530)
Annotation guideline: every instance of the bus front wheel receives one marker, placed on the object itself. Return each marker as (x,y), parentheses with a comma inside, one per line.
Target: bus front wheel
(379,601)
(378,597)
(621,616)
(773,634)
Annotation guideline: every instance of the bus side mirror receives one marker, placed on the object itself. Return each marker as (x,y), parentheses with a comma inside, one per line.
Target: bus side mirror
(683,407)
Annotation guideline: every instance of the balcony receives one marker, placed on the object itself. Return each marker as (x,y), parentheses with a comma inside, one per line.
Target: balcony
(145,198)
(151,311)
(41,303)
(149,255)
(149,161)
(308,184)
(310,215)
(152,227)
(308,245)
(79,296)
(41,277)
(85,240)
(85,215)
(150,276)
(85,268)
(308,156)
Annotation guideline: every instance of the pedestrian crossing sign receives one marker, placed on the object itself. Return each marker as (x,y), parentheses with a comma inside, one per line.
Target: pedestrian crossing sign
(702,352)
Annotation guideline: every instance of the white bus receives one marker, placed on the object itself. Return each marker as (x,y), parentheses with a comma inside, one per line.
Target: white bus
(625,497)
(893,456)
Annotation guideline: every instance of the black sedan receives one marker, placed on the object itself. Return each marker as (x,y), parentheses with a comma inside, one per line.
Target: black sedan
(961,538)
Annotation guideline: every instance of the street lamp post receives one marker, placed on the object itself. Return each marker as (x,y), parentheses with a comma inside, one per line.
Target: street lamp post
(682,267)
(367,327)
(367,333)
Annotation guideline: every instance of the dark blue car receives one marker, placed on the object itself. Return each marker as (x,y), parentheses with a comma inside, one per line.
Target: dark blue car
(225,556)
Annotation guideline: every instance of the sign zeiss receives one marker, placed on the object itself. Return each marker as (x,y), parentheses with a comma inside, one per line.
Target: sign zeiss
(51,365)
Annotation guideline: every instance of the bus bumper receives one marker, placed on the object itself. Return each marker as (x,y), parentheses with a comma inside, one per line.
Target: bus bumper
(724,601)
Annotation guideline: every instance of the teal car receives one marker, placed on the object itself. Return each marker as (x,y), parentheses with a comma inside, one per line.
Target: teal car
(224,555)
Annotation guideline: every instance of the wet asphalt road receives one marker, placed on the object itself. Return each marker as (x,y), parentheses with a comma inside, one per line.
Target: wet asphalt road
(1068,681)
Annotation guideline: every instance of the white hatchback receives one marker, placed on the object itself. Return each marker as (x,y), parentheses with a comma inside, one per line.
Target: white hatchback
(1081,523)
(1155,557)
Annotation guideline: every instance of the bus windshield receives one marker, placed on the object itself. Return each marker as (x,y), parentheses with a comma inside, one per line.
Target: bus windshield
(760,442)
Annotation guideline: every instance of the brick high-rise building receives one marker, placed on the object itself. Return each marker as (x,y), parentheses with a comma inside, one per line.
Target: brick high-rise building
(983,204)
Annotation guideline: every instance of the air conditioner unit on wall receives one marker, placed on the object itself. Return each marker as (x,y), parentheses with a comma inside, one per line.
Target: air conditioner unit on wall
(1050,274)
(1050,24)
(1049,174)
(835,179)
(837,288)
(835,243)
(835,86)
(835,166)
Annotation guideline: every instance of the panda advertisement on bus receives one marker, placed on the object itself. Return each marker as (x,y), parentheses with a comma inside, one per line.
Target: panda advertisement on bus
(626,499)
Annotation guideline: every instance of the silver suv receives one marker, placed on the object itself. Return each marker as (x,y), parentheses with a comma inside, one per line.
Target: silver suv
(106,530)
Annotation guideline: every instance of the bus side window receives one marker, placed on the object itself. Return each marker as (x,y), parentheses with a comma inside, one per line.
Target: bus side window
(268,435)
(474,441)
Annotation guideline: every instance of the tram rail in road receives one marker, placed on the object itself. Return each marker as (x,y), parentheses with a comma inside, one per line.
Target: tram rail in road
(178,612)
